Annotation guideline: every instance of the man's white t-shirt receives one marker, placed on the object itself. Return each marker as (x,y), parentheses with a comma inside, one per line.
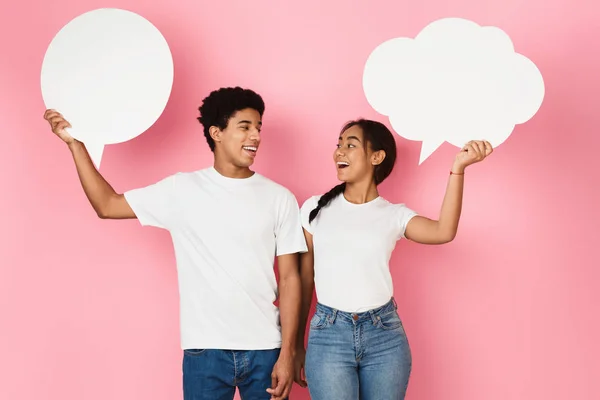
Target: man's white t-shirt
(226,233)
(352,245)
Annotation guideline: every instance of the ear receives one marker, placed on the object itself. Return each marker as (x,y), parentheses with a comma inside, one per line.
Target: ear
(215,133)
(377,157)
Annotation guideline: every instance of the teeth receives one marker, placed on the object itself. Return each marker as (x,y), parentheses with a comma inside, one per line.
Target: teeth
(342,163)
(250,148)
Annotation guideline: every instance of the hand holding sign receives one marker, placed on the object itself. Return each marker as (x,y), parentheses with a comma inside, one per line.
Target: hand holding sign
(59,125)
(110,73)
(455,81)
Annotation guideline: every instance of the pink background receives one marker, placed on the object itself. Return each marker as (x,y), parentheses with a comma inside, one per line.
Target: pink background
(89,308)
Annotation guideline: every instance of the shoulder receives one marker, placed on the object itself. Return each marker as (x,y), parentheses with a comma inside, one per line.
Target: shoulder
(274,187)
(393,207)
(189,175)
(398,212)
(310,203)
(183,179)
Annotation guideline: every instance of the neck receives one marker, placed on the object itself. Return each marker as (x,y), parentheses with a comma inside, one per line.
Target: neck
(230,170)
(361,192)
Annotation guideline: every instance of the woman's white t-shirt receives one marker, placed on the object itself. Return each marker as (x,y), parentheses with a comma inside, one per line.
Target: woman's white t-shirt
(352,246)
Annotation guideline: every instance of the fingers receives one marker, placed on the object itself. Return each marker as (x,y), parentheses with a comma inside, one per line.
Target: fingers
(488,148)
(56,120)
(60,126)
(273,383)
(49,114)
(275,389)
(286,391)
(300,377)
(485,148)
(303,382)
(473,150)
(479,149)
(280,388)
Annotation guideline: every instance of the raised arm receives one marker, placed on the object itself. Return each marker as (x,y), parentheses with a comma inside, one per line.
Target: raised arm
(427,231)
(106,202)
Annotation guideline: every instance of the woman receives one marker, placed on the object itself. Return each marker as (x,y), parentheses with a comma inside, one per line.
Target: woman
(357,347)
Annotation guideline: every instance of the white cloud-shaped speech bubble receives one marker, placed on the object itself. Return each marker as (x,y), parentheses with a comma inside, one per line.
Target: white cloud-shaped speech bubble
(455,82)
(110,73)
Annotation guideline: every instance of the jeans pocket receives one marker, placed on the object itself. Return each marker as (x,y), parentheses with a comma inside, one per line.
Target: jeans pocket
(194,352)
(390,321)
(319,320)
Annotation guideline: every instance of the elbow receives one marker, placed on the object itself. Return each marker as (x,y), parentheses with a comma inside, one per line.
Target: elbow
(102,210)
(102,214)
(447,238)
(105,208)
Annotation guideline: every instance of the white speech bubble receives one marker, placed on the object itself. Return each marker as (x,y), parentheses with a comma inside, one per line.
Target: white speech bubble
(110,73)
(455,82)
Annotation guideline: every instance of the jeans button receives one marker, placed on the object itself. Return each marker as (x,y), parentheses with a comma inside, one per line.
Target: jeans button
(354,317)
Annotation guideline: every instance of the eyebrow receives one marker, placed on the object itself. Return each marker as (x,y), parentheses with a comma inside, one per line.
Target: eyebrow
(248,122)
(350,137)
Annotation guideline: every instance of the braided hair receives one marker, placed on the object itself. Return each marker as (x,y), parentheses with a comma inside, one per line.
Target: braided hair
(380,138)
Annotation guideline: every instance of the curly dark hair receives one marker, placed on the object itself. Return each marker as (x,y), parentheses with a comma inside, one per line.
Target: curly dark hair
(220,105)
(379,137)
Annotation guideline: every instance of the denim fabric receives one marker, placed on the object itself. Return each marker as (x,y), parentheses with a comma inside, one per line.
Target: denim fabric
(214,374)
(353,356)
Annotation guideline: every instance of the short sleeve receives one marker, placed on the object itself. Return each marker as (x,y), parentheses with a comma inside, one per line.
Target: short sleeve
(309,205)
(156,204)
(289,237)
(404,215)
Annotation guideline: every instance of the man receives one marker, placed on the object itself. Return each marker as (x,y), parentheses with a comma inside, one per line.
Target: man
(227,223)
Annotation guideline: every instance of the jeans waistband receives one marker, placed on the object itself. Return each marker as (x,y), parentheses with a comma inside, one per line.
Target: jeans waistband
(370,315)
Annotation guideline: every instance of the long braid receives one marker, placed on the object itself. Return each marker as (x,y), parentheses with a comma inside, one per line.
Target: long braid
(326,199)
(379,138)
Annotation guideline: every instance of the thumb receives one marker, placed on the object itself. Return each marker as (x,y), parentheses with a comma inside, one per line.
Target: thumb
(271,390)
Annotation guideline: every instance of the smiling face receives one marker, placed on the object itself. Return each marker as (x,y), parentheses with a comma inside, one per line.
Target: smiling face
(354,159)
(238,143)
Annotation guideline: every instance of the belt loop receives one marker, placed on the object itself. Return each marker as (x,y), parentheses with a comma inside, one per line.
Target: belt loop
(394,303)
(373,317)
(333,316)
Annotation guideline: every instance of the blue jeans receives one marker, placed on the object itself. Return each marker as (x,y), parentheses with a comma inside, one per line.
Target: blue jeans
(214,374)
(362,356)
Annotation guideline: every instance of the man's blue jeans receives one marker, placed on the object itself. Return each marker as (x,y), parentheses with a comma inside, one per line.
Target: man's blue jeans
(362,356)
(214,374)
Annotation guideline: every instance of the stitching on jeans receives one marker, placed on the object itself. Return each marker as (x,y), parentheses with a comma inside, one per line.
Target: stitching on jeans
(235,377)
(246,363)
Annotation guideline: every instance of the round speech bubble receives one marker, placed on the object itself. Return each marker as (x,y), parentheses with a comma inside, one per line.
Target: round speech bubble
(455,81)
(109,72)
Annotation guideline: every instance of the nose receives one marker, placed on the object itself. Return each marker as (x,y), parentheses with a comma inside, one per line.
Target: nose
(255,135)
(339,153)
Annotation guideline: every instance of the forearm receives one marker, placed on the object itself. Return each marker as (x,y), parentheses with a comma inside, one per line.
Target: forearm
(452,204)
(307,284)
(289,306)
(96,188)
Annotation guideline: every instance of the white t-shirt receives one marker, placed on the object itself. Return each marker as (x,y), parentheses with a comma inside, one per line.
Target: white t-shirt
(226,233)
(352,246)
